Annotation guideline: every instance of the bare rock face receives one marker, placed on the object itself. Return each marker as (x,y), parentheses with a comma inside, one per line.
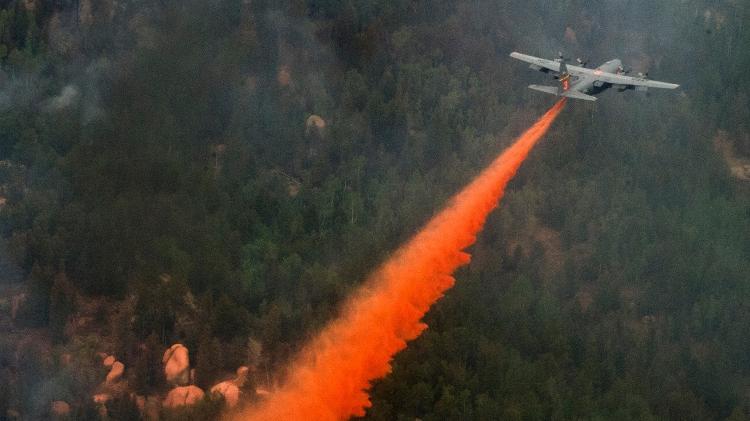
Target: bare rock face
(183,395)
(115,373)
(59,410)
(229,391)
(177,365)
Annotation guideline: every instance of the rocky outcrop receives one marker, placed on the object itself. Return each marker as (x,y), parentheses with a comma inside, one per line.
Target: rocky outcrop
(102,398)
(315,124)
(241,377)
(59,410)
(229,391)
(183,395)
(109,360)
(113,385)
(115,373)
(177,365)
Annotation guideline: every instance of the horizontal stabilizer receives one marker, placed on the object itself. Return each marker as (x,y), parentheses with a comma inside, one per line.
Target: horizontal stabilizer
(546,89)
(578,95)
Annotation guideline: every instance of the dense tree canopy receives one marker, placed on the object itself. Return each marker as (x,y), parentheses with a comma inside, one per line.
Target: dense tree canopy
(162,156)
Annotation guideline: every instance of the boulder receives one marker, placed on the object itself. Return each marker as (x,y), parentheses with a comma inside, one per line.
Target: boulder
(177,365)
(229,390)
(102,398)
(242,373)
(59,409)
(115,373)
(109,360)
(183,395)
(315,124)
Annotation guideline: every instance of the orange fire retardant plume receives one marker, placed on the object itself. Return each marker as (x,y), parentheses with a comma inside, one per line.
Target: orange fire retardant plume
(328,380)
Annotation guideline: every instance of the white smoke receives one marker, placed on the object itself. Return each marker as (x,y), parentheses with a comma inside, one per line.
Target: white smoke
(68,96)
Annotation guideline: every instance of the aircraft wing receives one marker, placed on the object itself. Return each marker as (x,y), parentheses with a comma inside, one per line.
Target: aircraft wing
(537,63)
(616,79)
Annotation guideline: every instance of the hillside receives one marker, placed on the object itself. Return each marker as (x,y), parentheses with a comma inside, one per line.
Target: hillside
(223,174)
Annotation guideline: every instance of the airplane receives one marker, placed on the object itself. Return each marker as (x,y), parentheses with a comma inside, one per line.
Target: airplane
(579,82)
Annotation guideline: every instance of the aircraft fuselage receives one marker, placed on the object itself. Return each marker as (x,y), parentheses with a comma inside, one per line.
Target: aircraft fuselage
(589,85)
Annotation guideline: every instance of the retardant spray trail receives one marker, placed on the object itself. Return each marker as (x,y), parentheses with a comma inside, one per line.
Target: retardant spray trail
(329,379)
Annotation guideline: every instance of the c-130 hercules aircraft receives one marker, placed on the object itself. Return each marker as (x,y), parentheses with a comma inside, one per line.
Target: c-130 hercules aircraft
(579,82)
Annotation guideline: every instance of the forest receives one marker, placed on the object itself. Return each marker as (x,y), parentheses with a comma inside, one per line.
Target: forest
(223,173)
